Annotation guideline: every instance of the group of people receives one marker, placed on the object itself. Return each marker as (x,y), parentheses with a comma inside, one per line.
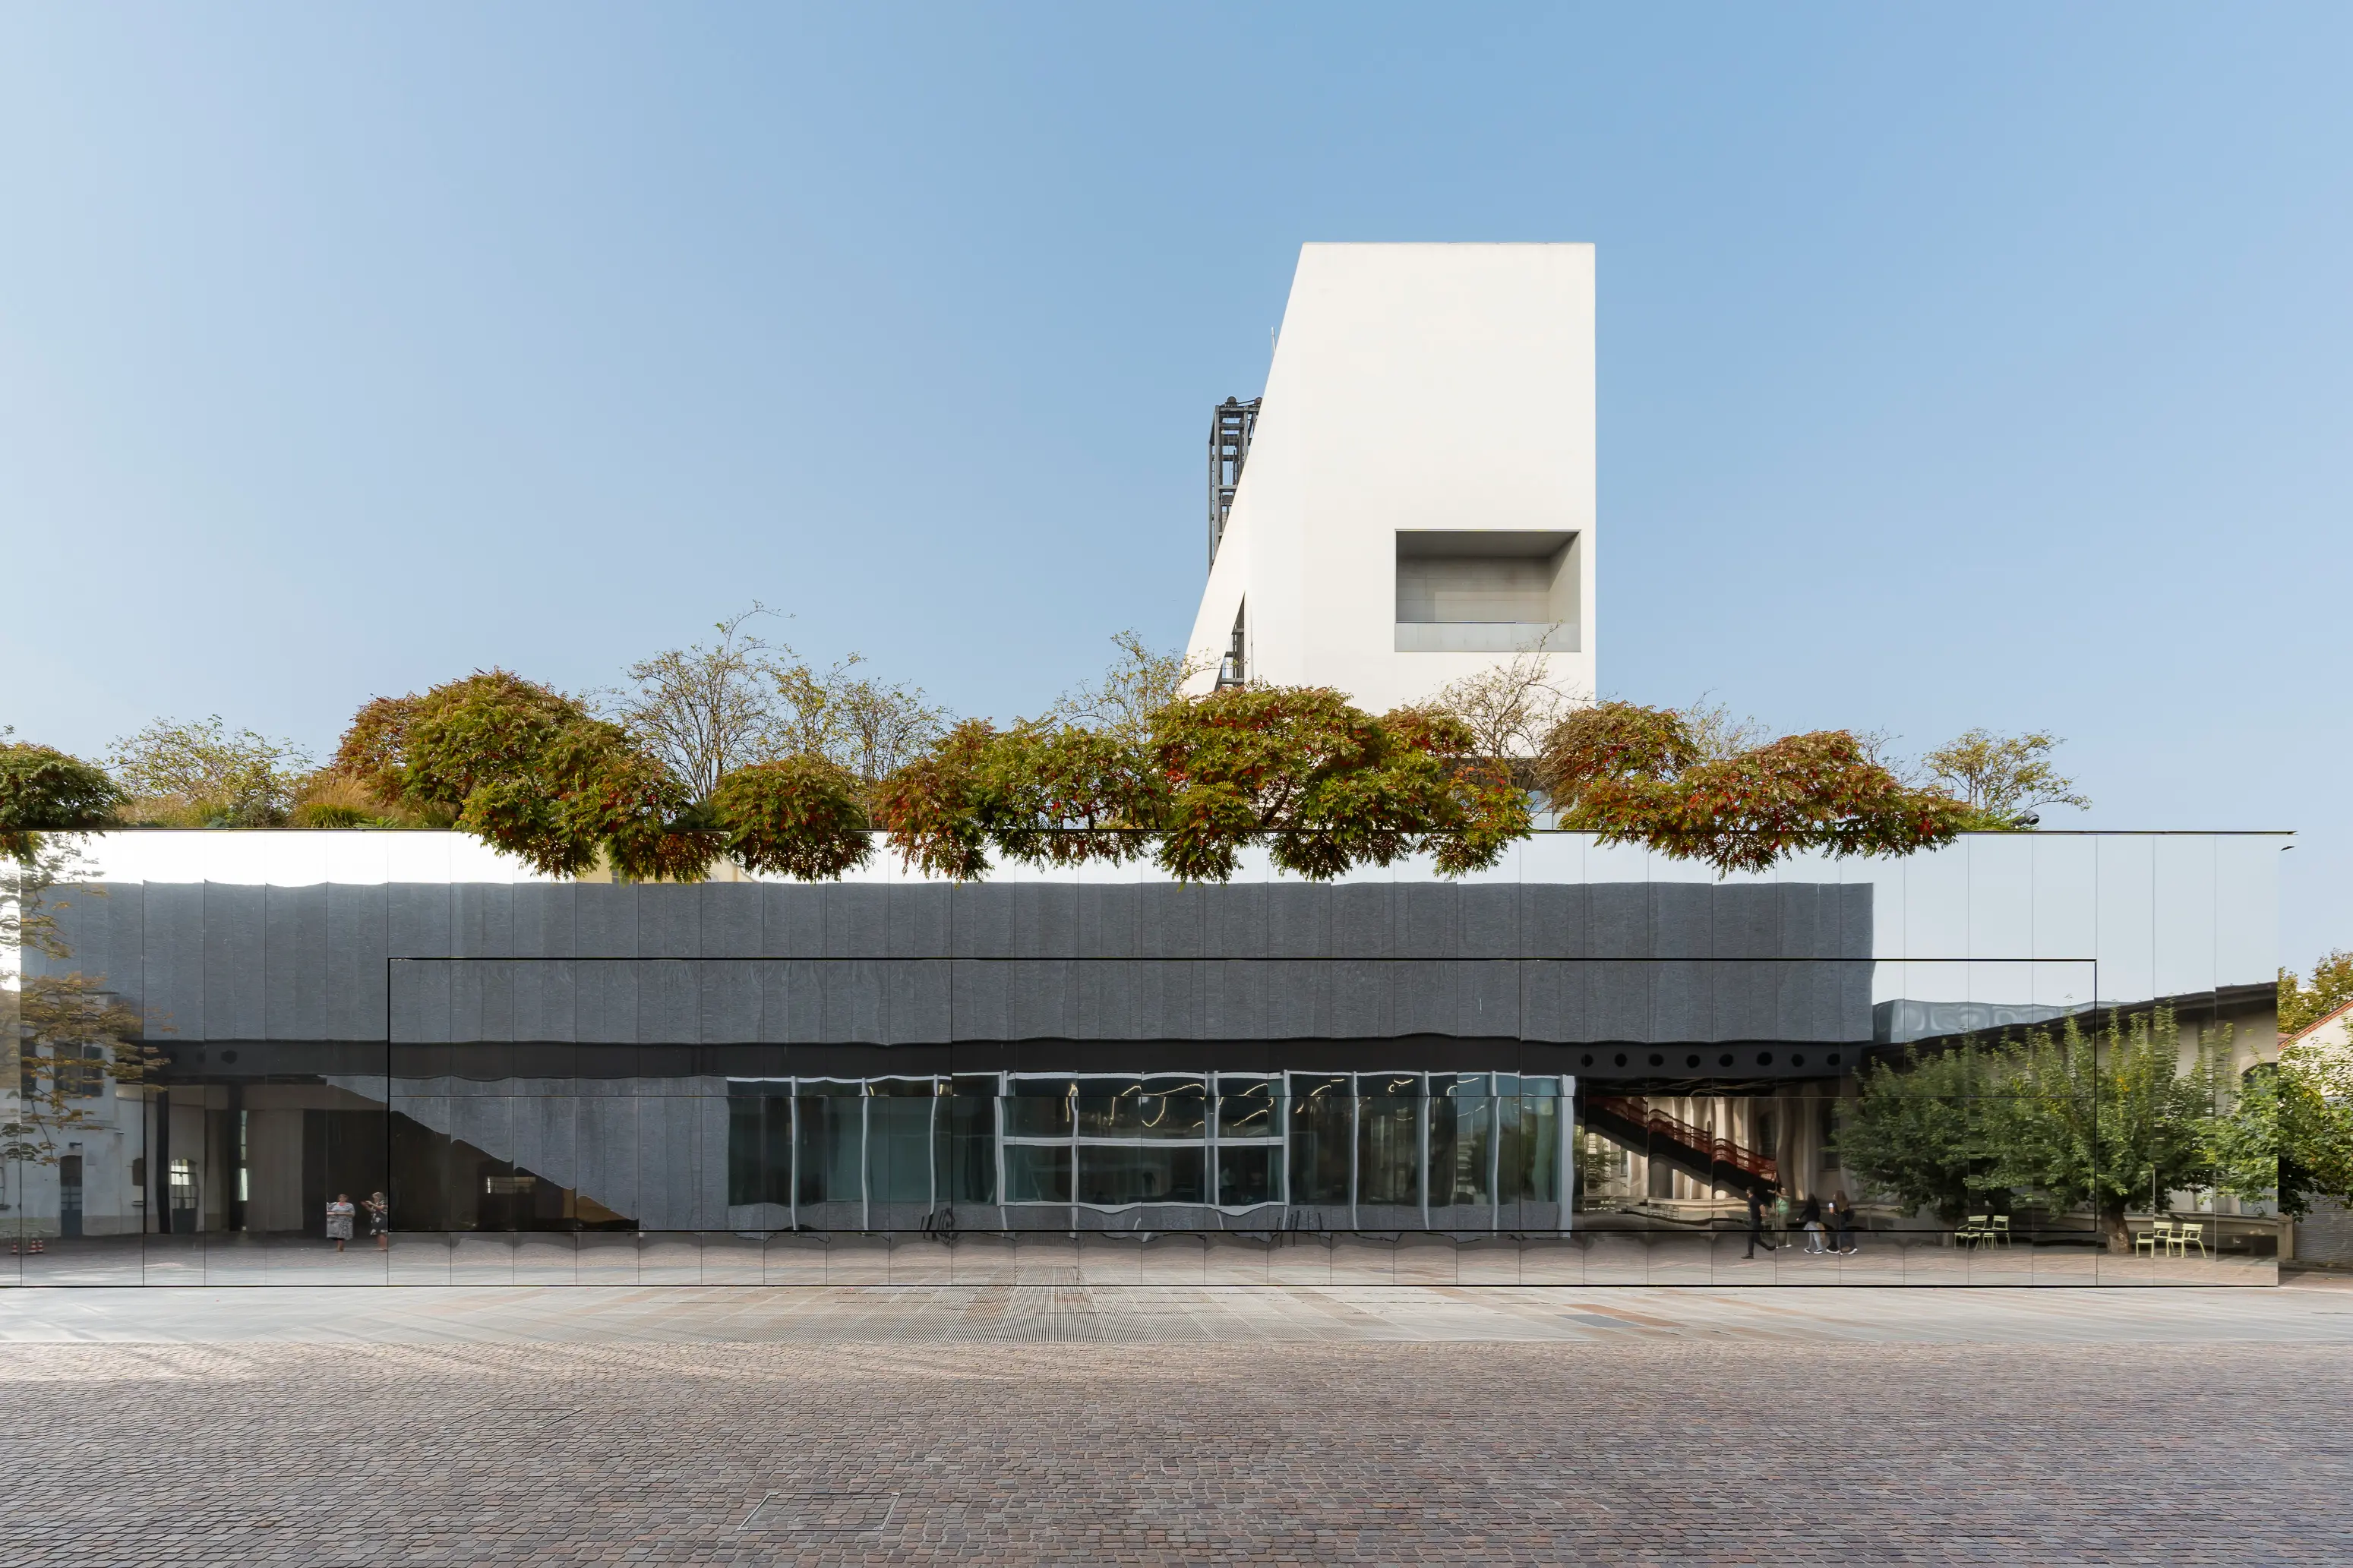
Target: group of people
(343,1211)
(1830,1227)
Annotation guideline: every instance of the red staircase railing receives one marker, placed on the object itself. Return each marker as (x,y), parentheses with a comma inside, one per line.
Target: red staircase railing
(1698,1140)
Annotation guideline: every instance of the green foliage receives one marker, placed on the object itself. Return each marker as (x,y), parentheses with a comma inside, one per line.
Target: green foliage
(2086,1119)
(373,752)
(2002,778)
(489,727)
(202,774)
(870,727)
(1058,794)
(706,711)
(1325,785)
(1636,774)
(328,814)
(2301,1005)
(530,772)
(45,791)
(2101,1118)
(1139,683)
(1322,784)
(2290,1135)
(800,817)
(73,1036)
(1917,1132)
(938,806)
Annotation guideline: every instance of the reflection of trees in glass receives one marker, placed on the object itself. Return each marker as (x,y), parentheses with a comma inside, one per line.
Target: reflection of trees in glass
(63,1037)
(2301,1005)
(2289,1135)
(1917,1131)
(2087,1119)
(1604,1168)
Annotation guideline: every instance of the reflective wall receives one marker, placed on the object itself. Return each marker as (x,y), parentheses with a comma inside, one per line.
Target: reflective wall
(1589,1054)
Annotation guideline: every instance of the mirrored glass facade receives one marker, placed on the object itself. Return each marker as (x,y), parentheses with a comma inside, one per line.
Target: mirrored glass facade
(1591,1065)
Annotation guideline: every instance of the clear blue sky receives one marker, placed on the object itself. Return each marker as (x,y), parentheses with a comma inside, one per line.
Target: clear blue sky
(1959,365)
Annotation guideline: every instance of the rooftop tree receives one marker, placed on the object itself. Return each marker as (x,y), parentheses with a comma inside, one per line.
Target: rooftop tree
(1324,785)
(2002,778)
(532,771)
(43,790)
(201,773)
(1641,775)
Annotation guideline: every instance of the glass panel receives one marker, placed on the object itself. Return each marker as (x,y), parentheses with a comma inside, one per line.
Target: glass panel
(899,1150)
(759,1147)
(969,1164)
(1112,1175)
(1321,1110)
(829,1144)
(1247,1174)
(1172,1106)
(1246,1107)
(1037,1172)
(1462,1139)
(1389,1142)
(1529,1157)
(1038,1115)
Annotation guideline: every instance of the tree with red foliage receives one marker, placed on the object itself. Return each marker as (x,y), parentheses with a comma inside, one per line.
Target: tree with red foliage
(1635,774)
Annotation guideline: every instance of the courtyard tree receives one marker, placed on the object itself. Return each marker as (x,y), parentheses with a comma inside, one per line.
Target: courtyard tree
(2093,1118)
(2288,1136)
(1321,784)
(1916,1132)
(802,817)
(2105,1117)
(1041,792)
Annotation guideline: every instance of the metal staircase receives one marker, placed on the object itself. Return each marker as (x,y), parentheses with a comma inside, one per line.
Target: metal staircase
(1630,1120)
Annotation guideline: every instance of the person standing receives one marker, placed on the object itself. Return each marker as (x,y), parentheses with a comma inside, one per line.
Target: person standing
(1843,1222)
(1756,1222)
(339,1220)
(379,1212)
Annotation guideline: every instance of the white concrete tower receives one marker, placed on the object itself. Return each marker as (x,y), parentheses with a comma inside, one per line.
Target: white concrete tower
(1418,499)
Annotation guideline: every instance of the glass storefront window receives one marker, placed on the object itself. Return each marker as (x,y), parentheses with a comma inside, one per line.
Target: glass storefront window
(1037,1172)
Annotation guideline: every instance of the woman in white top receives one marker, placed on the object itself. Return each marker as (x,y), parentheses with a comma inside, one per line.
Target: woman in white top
(339,1219)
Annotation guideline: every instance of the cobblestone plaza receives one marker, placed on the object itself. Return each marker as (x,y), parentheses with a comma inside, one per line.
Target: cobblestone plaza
(1163,1424)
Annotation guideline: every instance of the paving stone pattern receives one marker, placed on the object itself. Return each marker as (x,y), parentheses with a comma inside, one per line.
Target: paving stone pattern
(1661,1449)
